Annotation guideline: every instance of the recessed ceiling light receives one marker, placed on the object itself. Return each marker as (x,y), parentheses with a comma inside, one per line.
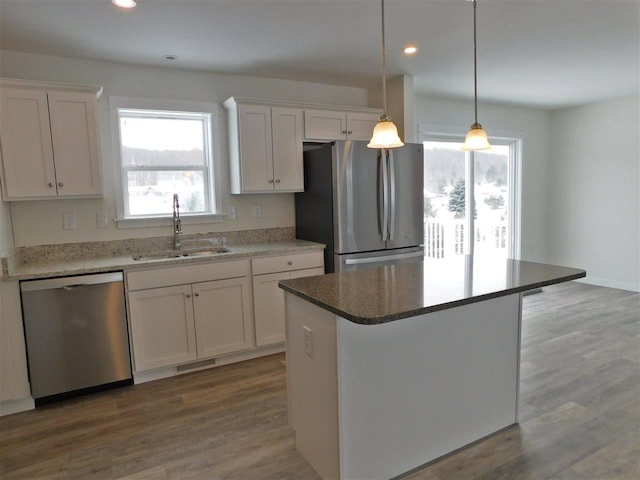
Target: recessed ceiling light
(170,57)
(124,3)
(410,49)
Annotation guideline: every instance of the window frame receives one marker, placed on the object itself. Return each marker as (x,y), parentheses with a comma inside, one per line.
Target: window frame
(212,170)
(432,133)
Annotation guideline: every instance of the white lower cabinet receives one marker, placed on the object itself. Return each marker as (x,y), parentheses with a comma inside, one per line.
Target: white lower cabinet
(222,316)
(268,298)
(162,327)
(182,314)
(181,323)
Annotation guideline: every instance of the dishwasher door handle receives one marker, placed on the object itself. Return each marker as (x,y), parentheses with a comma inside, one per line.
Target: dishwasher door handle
(70,288)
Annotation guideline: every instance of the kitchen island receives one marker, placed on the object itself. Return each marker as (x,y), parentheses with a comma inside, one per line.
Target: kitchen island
(390,368)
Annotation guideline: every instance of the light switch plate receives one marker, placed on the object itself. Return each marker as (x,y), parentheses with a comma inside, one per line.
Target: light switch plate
(69,221)
(102,220)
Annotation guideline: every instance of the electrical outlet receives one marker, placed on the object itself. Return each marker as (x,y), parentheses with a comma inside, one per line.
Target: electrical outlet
(308,340)
(257,211)
(69,221)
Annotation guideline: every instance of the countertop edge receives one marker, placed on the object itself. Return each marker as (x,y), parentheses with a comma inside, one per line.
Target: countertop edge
(432,308)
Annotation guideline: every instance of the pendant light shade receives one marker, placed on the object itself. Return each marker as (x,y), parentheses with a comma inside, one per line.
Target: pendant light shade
(385,133)
(476,138)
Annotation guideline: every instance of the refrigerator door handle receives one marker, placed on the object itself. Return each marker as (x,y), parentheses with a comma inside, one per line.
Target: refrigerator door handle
(384,215)
(392,194)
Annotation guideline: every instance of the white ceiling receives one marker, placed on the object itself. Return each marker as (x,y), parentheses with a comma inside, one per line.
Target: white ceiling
(546,53)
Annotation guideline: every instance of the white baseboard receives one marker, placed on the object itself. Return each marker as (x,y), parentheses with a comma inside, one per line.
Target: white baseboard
(10,407)
(605,282)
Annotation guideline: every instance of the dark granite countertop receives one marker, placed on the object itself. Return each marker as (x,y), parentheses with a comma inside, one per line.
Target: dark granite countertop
(393,292)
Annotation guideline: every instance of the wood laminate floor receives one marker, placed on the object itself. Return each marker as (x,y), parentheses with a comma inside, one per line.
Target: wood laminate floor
(579,413)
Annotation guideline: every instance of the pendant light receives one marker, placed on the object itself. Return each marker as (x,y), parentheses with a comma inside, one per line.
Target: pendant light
(124,3)
(385,133)
(476,138)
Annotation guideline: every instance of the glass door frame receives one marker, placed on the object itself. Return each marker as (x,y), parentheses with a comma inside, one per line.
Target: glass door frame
(514,225)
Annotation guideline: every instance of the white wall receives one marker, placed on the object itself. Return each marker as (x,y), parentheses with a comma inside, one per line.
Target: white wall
(438,115)
(593,219)
(6,232)
(40,222)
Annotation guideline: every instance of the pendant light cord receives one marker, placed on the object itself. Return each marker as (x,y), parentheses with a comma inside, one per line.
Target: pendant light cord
(475,64)
(384,68)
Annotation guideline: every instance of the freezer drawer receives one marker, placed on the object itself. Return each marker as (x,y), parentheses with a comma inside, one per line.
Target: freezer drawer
(76,333)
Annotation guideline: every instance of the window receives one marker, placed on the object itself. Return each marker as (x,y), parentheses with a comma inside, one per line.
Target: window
(164,149)
(449,174)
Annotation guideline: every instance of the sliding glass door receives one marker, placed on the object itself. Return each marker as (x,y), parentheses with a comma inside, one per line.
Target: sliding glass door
(456,225)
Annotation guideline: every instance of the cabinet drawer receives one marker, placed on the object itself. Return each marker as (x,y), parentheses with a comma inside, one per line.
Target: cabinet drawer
(205,272)
(285,263)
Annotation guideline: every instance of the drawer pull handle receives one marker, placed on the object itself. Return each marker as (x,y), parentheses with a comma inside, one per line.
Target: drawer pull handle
(290,262)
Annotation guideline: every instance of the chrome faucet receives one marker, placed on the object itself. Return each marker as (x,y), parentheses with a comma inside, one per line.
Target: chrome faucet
(177,223)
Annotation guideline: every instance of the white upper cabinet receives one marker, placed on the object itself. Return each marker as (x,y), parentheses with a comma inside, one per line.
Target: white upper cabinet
(265,145)
(49,138)
(339,125)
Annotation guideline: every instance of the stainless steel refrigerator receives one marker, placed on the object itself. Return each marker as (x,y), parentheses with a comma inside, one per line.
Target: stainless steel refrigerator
(365,204)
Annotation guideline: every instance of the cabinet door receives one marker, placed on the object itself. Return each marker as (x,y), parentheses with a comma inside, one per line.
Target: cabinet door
(74,131)
(223,316)
(256,150)
(268,303)
(360,125)
(27,152)
(162,327)
(325,125)
(287,135)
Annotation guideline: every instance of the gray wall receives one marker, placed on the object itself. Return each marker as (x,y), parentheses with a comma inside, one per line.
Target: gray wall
(593,215)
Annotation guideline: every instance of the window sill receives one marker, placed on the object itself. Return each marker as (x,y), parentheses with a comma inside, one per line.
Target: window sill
(167,221)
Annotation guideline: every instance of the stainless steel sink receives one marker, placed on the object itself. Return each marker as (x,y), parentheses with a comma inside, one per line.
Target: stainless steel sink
(200,252)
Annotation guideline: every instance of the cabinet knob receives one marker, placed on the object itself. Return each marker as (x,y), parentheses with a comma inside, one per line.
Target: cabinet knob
(196,294)
(350,132)
(188,295)
(344,131)
(50,184)
(271,180)
(290,262)
(60,184)
(278,180)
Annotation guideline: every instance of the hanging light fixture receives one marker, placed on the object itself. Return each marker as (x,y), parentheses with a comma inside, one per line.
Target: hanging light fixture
(476,138)
(124,3)
(385,133)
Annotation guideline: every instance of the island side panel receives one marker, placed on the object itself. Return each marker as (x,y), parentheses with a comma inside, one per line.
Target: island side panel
(415,389)
(312,384)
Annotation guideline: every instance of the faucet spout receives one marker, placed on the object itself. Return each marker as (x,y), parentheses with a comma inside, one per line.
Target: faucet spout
(177,223)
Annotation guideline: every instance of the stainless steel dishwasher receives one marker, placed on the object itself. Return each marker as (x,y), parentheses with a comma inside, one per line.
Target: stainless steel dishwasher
(76,335)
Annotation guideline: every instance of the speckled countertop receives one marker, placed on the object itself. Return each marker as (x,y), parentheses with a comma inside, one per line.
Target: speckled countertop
(384,294)
(83,258)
